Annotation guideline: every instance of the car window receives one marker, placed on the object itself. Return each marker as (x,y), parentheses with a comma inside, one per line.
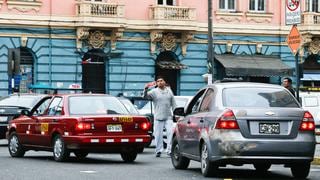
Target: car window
(55,107)
(42,106)
(82,105)
(257,97)
(311,101)
(195,102)
(207,101)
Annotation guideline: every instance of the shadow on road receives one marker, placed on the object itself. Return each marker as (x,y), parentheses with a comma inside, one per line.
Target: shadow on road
(238,174)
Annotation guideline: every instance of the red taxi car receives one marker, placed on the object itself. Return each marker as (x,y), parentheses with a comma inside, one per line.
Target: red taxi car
(79,123)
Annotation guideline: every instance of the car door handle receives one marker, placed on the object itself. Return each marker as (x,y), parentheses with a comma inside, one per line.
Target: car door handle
(54,120)
(188,121)
(201,120)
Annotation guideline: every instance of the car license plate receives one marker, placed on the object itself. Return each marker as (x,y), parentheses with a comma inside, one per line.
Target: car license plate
(114,128)
(3,118)
(269,128)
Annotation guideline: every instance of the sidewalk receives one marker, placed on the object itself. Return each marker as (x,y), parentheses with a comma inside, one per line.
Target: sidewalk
(317,155)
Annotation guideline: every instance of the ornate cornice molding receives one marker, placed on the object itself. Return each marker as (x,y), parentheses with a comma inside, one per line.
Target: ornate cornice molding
(259,17)
(185,38)
(82,34)
(155,36)
(116,34)
(226,16)
(169,42)
(314,46)
(96,39)
(24,6)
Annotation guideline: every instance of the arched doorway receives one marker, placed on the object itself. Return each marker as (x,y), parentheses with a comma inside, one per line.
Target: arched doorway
(94,71)
(20,69)
(168,66)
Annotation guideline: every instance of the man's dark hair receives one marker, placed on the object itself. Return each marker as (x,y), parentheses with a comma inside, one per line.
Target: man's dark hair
(161,77)
(288,79)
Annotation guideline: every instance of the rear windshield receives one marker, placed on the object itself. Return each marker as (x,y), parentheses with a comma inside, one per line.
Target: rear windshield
(95,105)
(21,101)
(258,97)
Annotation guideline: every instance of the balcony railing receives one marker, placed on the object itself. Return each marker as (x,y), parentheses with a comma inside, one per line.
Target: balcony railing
(172,13)
(310,18)
(100,9)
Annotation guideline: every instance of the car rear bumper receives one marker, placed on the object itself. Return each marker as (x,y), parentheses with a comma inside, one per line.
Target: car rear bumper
(106,143)
(234,146)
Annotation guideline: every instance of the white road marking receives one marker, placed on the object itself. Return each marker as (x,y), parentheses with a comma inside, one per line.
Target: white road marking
(89,172)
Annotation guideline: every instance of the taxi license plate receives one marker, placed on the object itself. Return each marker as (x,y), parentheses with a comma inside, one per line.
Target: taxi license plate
(3,118)
(114,128)
(269,128)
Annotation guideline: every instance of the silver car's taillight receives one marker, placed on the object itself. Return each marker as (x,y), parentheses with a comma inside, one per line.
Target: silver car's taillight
(227,120)
(307,123)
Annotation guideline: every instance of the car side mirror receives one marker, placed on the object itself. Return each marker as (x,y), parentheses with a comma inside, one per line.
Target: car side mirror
(25,112)
(179,111)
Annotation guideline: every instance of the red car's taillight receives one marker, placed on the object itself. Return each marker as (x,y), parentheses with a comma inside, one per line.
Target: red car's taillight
(307,123)
(84,126)
(145,126)
(227,121)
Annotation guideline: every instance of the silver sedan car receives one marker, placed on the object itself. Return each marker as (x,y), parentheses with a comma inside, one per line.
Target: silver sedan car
(244,123)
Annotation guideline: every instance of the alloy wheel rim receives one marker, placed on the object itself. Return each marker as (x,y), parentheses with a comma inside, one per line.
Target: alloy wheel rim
(14,144)
(57,147)
(176,152)
(204,157)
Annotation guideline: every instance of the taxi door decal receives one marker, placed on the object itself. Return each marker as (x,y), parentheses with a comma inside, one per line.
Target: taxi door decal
(44,127)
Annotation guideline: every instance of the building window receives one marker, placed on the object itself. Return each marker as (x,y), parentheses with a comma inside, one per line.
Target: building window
(312,5)
(257,5)
(167,2)
(227,5)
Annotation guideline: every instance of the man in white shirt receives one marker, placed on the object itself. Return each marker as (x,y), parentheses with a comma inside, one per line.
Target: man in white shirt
(164,105)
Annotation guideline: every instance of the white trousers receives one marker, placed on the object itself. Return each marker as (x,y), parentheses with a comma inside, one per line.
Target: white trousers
(158,134)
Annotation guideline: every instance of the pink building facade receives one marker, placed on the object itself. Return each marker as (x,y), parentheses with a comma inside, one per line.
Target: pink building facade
(116,46)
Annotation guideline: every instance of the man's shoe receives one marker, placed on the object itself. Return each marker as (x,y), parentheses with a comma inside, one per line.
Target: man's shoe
(158,154)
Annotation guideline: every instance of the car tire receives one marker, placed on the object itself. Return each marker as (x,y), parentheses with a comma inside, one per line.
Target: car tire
(300,170)
(14,146)
(208,168)
(262,167)
(80,154)
(129,157)
(60,152)
(178,161)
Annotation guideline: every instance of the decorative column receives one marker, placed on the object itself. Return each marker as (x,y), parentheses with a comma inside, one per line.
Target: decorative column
(185,38)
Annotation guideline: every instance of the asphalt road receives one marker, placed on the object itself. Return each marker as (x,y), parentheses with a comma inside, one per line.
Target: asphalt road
(41,166)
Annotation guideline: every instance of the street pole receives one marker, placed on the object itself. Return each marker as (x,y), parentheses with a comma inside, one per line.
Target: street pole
(297,75)
(210,60)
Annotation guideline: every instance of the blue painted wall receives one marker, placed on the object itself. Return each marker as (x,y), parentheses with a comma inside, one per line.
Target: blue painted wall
(131,70)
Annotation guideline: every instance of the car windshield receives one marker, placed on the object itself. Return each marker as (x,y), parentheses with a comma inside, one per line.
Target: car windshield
(257,97)
(130,107)
(95,105)
(22,101)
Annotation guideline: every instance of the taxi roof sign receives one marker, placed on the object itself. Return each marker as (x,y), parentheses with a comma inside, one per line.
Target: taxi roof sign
(294,39)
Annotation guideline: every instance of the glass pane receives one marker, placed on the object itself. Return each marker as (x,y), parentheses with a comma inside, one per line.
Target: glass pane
(170,2)
(251,5)
(160,1)
(221,4)
(258,97)
(231,4)
(261,5)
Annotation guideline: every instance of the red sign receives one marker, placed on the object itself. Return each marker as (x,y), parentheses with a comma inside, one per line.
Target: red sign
(294,39)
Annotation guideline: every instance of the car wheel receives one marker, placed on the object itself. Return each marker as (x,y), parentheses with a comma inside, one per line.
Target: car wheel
(208,169)
(300,170)
(81,154)
(14,146)
(260,167)
(178,161)
(60,152)
(129,156)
